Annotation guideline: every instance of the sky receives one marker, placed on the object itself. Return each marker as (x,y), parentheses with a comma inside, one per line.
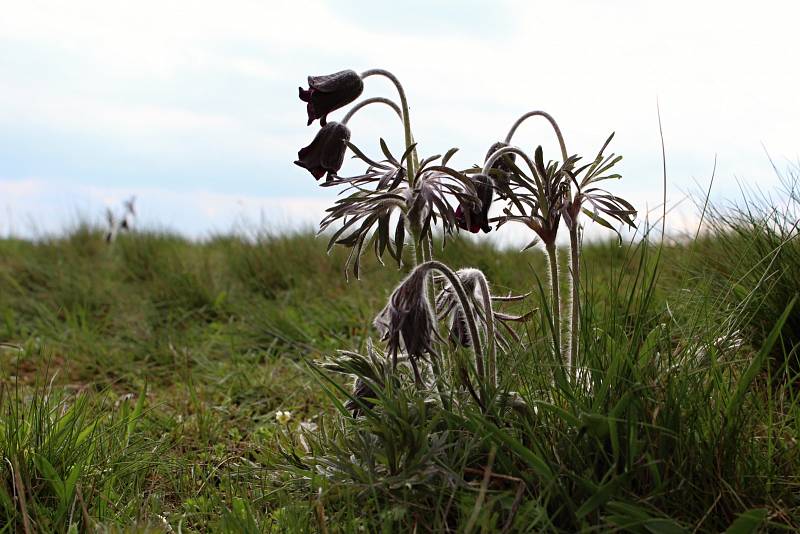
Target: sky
(192,106)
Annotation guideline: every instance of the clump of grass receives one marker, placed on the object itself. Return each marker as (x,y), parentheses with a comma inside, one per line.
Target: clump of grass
(752,255)
(627,445)
(670,425)
(65,454)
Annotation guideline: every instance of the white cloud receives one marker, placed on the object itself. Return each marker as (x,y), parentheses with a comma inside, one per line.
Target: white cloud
(176,80)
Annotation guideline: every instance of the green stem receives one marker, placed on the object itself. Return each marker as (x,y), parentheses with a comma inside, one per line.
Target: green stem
(555,305)
(412,160)
(427,255)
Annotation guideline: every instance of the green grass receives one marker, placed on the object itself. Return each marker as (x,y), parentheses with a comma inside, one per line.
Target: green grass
(139,383)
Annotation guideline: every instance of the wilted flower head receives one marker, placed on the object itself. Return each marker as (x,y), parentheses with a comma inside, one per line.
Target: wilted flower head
(325,154)
(408,318)
(330,92)
(476,217)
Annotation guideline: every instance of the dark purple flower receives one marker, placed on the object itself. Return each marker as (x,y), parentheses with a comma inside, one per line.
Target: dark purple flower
(326,151)
(476,217)
(330,92)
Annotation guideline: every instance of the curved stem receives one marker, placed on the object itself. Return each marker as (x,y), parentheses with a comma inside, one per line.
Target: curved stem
(455,283)
(406,120)
(374,100)
(500,152)
(552,258)
(427,255)
(492,349)
(552,122)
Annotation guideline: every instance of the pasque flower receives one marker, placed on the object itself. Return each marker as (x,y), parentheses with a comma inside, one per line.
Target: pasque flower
(325,154)
(476,216)
(330,92)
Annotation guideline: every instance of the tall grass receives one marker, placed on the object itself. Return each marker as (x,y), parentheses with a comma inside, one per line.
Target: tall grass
(752,251)
(649,439)
(139,383)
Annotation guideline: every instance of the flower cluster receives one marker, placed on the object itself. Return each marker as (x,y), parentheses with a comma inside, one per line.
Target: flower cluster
(396,196)
(325,94)
(396,204)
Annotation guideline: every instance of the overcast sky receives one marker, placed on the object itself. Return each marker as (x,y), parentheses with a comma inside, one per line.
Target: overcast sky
(192,105)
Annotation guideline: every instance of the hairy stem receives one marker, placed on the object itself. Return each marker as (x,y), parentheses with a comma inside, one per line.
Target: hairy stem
(427,255)
(412,160)
(555,297)
(374,100)
(458,287)
(574,247)
(491,348)
(420,257)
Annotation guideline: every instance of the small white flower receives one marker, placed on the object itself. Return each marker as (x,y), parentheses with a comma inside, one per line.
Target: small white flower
(283,417)
(166,523)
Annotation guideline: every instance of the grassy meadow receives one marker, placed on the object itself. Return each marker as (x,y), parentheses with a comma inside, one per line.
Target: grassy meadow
(144,385)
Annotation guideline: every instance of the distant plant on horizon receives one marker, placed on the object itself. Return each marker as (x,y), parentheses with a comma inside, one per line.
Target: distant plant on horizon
(122,222)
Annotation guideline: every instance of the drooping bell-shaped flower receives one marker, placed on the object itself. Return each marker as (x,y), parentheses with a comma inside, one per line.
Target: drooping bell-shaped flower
(330,92)
(476,217)
(325,154)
